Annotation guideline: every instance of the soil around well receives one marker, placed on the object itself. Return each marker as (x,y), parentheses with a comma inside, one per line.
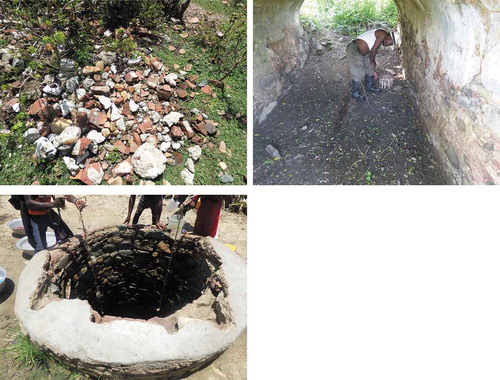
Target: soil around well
(327,138)
(105,211)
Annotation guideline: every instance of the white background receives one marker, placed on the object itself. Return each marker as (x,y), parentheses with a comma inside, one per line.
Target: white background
(374,283)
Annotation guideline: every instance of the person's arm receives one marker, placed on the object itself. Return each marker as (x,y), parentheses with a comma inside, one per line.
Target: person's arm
(41,206)
(79,203)
(380,34)
(193,201)
(131,203)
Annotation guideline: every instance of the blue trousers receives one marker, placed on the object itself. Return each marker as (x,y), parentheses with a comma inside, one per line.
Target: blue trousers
(39,224)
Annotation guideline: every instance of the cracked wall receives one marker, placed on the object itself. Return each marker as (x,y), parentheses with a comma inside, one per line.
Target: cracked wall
(451,54)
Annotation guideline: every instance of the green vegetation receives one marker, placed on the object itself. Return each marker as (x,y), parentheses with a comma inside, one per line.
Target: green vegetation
(221,62)
(27,356)
(352,17)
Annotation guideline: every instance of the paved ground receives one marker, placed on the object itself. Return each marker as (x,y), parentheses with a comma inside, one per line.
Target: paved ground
(103,211)
(325,137)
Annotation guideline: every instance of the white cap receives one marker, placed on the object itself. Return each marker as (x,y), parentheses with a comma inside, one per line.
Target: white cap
(396,38)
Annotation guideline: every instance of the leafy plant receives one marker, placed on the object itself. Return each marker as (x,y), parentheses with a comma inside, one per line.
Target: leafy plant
(114,156)
(26,353)
(352,17)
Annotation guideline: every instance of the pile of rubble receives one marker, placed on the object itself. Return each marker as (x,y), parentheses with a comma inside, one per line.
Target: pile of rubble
(109,124)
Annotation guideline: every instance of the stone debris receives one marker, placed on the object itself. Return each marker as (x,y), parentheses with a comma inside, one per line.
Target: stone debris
(45,149)
(195,152)
(190,165)
(226,178)
(273,152)
(31,135)
(92,174)
(148,161)
(52,89)
(187,176)
(71,164)
(113,122)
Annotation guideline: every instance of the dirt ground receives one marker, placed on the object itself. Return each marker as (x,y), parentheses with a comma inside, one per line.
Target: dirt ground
(104,211)
(326,137)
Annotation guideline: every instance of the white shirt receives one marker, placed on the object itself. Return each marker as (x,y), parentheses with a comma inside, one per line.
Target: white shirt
(369,37)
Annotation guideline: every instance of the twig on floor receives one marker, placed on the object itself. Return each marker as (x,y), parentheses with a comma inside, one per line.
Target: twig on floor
(358,160)
(376,158)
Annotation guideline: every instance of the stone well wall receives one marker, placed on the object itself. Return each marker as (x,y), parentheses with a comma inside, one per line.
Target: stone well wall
(451,53)
(280,51)
(60,294)
(128,267)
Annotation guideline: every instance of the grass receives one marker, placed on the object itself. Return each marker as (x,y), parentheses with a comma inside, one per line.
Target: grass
(18,167)
(217,6)
(35,363)
(231,101)
(352,17)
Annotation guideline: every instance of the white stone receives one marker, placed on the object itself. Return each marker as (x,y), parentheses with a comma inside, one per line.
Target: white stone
(187,176)
(69,137)
(80,93)
(172,118)
(16,107)
(105,101)
(72,85)
(71,165)
(87,83)
(148,161)
(66,107)
(155,117)
(31,135)
(120,125)
(171,79)
(52,89)
(96,137)
(108,57)
(165,146)
(95,175)
(176,145)
(123,168)
(134,61)
(195,152)
(45,149)
(113,69)
(190,165)
(110,83)
(115,113)
(223,166)
(133,106)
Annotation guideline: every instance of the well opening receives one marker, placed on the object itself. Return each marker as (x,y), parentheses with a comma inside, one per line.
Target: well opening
(122,274)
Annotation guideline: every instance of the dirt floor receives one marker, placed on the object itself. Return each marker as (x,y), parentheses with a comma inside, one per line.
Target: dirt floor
(104,211)
(326,137)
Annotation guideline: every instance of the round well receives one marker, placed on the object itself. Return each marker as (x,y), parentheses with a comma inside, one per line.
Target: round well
(134,303)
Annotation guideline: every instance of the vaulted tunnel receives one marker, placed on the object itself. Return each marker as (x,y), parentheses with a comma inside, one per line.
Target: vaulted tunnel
(451,54)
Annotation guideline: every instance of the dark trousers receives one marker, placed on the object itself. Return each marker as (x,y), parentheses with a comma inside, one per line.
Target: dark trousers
(39,225)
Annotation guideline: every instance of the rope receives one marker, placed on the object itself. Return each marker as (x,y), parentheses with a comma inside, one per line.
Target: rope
(176,245)
(90,260)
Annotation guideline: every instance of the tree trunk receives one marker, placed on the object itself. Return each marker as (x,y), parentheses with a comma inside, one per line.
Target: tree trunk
(175,8)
